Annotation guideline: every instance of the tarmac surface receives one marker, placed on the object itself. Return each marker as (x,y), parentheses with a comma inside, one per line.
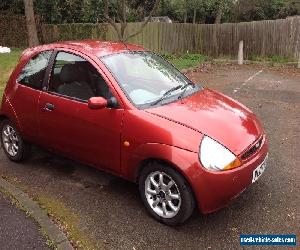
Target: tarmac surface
(110,212)
(17,230)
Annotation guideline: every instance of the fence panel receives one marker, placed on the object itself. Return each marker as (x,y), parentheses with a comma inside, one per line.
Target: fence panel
(261,38)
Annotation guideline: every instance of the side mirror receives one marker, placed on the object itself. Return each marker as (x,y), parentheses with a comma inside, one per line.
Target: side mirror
(112,103)
(97,103)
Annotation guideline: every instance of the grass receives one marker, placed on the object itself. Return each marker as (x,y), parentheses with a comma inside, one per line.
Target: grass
(185,61)
(68,221)
(64,217)
(15,202)
(7,63)
(274,59)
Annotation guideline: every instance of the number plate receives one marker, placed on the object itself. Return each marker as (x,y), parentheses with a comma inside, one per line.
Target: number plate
(259,170)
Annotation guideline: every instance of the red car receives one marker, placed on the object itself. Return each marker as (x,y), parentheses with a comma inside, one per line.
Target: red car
(123,109)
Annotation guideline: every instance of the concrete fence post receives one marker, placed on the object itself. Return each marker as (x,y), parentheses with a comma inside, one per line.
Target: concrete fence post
(241,53)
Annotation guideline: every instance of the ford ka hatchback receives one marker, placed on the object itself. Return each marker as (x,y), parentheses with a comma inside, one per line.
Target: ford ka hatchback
(124,109)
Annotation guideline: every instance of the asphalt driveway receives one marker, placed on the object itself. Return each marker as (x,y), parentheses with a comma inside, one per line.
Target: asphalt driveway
(109,213)
(17,230)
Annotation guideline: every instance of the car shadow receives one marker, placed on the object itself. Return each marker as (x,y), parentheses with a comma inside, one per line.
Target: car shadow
(114,204)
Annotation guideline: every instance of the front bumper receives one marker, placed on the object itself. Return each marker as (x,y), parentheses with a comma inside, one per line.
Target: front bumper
(214,190)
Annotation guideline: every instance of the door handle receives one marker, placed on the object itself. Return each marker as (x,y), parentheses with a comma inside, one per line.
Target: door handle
(49,107)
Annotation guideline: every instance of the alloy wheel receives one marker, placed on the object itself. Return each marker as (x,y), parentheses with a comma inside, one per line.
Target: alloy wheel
(162,194)
(10,140)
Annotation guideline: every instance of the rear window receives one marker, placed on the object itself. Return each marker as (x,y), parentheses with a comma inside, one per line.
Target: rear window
(33,73)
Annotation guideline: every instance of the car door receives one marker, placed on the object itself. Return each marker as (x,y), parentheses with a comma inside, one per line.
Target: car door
(27,93)
(67,125)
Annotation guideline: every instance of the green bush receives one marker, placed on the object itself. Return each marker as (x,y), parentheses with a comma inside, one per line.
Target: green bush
(185,61)
(274,59)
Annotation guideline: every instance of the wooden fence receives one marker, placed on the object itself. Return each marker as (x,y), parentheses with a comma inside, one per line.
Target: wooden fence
(262,38)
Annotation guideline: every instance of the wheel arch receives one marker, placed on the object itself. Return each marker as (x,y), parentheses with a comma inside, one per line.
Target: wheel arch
(6,117)
(2,118)
(8,112)
(143,164)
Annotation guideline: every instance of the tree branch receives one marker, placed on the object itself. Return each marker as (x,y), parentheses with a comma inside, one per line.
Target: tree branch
(122,20)
(110,20)
(123,17)
(157,2)
(115,26)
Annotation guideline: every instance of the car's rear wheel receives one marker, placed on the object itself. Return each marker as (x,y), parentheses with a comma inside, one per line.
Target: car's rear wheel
(166,194)
(12,142)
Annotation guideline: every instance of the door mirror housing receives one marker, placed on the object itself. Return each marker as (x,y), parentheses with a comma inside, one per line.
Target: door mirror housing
(97,103)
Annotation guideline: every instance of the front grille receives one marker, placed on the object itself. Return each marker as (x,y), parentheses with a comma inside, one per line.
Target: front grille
(253,149)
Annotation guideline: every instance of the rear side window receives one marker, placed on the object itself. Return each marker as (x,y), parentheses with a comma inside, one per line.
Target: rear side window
(33,73)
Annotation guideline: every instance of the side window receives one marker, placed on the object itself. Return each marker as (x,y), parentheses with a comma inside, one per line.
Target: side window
(74,77)
(33,73)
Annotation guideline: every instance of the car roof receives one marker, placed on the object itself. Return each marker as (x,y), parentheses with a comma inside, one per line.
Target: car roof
(96,47)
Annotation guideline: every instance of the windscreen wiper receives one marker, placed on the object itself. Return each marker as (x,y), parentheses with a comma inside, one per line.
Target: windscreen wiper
(184,88)
(166,94)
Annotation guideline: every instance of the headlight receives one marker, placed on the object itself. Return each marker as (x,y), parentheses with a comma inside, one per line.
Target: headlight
(216,157)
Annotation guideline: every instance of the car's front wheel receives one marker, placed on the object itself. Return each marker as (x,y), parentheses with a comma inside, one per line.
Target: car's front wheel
(166,194)
(12,142)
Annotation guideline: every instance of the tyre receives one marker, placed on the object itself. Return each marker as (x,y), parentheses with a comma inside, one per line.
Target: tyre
(12,143)
(166,194)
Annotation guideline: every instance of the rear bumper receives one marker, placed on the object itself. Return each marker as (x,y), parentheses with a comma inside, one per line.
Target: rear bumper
(214,190)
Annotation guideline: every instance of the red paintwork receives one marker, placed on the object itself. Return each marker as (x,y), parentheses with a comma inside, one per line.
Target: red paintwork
(171,133)
(97,103)
(213,114)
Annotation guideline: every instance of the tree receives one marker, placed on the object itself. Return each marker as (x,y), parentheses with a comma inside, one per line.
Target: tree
(121,18)
(218,8)
(30,23)
(254,10)
(195,6)
(11,7)
(199,11)
(179,10)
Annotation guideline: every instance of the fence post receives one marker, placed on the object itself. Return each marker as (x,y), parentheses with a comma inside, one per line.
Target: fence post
(241,53)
